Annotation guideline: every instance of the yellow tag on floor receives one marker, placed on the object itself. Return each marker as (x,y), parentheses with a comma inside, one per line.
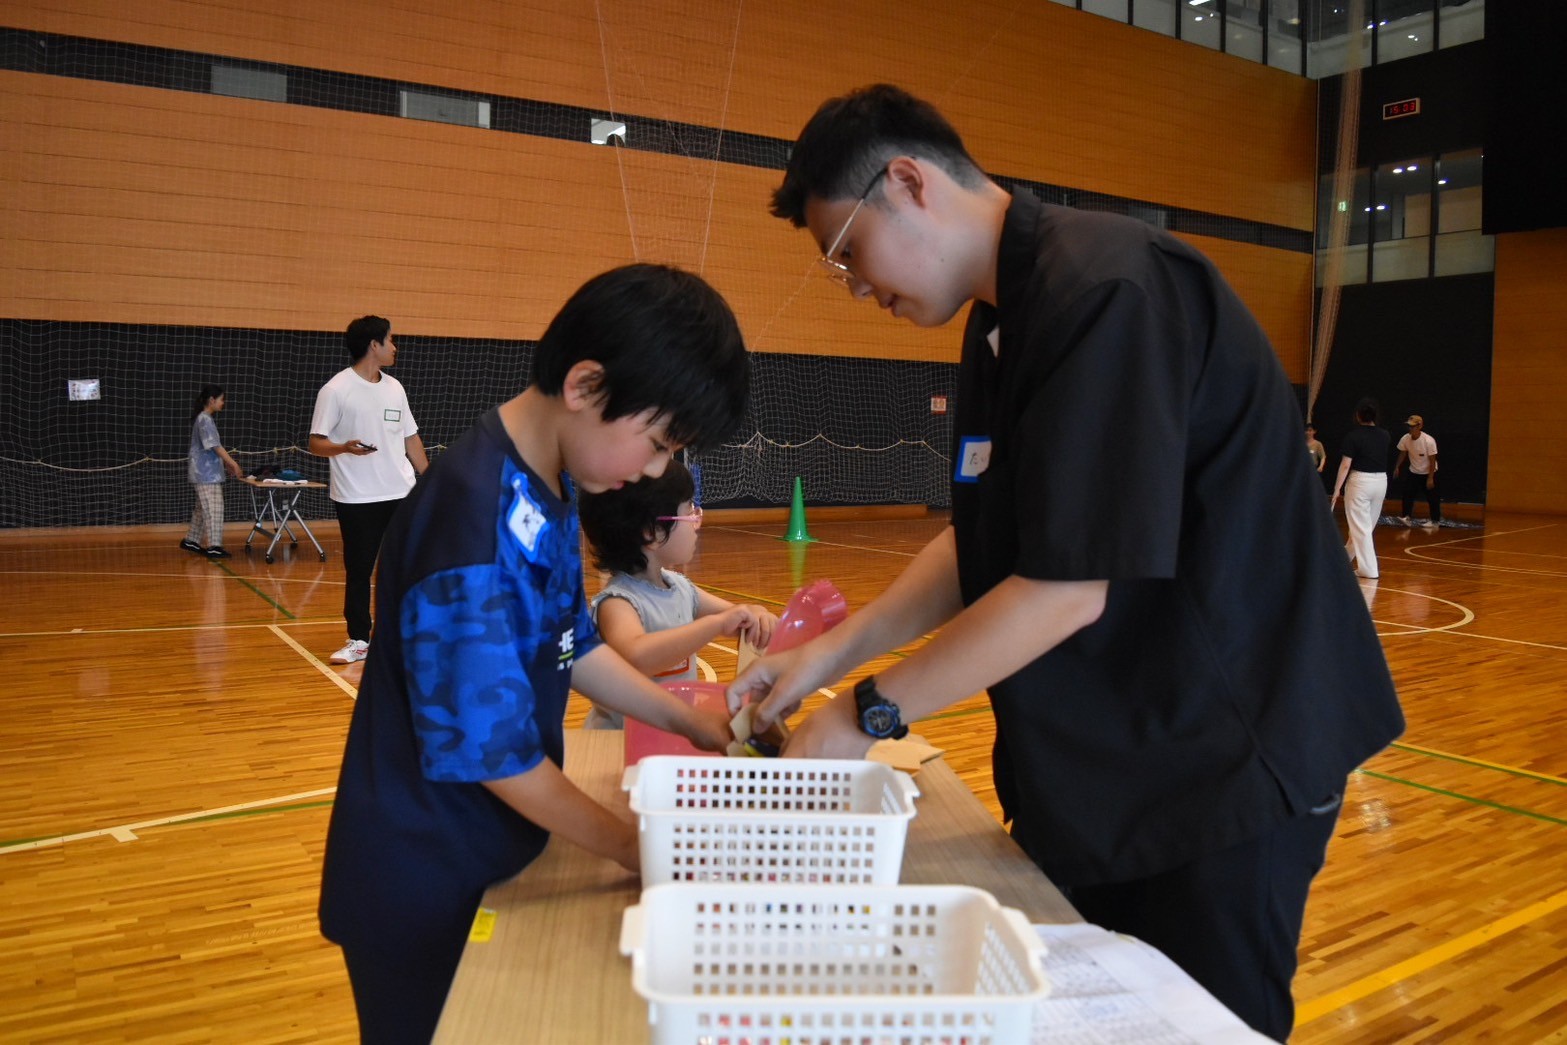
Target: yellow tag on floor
(483,926)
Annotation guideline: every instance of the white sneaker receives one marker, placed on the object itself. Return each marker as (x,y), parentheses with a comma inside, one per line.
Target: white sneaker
(352,653)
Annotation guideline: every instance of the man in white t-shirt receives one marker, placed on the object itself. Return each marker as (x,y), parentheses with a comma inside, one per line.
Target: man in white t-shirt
(1419,450)
(362,423)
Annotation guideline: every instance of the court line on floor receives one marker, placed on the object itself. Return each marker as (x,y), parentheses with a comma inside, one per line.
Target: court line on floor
(1393,975)
(1465,760)
(311,658)
(821,543)
(153,629)
(1460,796)
(127,832)
(1418,553)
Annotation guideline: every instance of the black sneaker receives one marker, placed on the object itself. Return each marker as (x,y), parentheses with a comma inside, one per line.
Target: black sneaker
(217,552)
(191,546)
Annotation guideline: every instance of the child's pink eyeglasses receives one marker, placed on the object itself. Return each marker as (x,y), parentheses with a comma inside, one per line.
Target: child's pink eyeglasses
(695,518)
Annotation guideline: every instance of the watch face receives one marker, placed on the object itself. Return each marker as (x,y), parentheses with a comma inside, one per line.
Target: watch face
(879,720)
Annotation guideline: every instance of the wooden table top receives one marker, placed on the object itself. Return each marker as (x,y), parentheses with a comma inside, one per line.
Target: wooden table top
(552,970)
(281,484)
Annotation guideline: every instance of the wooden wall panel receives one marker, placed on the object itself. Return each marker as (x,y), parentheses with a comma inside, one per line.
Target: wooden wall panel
(1039,91)
(1528,462)
(1276,286)
(149,206)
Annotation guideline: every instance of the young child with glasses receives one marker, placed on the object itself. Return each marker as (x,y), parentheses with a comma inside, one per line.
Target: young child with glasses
(649,612)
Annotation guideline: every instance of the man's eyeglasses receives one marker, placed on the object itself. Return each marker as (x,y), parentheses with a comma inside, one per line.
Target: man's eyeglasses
(695,518)
(837,271)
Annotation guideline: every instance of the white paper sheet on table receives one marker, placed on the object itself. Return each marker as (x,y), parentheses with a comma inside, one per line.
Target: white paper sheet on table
(1108,988)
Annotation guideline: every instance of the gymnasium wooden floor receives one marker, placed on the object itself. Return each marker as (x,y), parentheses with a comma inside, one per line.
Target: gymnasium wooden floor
(173,731)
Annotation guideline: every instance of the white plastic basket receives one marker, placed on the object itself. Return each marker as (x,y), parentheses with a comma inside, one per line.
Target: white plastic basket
(803,820)
(726,964)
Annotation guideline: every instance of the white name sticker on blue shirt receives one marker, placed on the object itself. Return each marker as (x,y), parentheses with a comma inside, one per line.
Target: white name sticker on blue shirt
(973,459)
(525,520)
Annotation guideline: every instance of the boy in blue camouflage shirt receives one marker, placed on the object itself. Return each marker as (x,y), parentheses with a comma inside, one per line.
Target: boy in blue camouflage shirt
(451,777)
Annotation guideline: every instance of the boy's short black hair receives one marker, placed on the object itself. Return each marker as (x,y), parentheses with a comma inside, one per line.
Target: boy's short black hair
(1366,411)
(619,524)
(667,342)
(853,137)
(363,332)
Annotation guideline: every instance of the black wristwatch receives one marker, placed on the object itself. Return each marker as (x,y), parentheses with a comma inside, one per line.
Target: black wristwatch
(878,716)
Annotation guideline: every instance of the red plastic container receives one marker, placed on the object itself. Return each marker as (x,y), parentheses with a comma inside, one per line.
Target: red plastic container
(643,740)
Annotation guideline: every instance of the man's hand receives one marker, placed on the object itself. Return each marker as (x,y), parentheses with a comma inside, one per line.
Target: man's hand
(777,684)
(831,731)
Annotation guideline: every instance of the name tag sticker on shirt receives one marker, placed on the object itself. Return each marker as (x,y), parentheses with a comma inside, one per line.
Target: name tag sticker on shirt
(391,415)
(973,459)
(525,520)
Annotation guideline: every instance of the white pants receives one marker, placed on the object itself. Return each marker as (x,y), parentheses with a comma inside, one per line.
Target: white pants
(1364,493)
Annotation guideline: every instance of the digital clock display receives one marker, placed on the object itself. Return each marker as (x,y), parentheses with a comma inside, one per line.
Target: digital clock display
(1407,107)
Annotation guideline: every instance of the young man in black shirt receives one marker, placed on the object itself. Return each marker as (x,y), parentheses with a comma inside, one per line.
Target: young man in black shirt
(1139,569)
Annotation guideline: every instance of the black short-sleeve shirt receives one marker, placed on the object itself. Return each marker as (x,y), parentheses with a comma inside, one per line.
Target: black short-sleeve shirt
(1368,449)
(1141,431)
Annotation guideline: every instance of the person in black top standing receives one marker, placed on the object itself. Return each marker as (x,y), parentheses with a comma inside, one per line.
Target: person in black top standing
(1362,480)
(1182,679)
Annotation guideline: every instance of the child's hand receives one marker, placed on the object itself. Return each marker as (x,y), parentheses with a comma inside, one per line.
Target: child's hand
(234,469)
(708,730)
(736,619)
(628,853)
(760,630)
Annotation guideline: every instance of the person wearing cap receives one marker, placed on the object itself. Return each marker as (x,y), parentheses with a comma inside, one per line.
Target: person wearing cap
(1419,450)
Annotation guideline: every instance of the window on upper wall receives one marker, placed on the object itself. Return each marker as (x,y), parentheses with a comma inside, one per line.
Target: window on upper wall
(1200,23)
(1347,214)
(1284,29)
(1460,21)
(1243,27)
(238,81)
(444,108)
(1116,9)
(1158,15)
(1335,45)
(1460,245)
(1401,221)
(1407,28)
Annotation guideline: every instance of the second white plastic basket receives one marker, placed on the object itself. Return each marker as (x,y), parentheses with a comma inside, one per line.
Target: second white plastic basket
(803,820)
(819,964)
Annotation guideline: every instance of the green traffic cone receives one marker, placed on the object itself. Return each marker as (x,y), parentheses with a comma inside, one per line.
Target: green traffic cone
(797,531)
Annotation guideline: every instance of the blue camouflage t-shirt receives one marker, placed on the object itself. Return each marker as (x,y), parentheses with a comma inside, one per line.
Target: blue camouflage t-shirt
(480,614)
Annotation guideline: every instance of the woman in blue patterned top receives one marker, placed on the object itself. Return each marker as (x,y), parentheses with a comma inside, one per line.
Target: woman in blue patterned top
(208,460)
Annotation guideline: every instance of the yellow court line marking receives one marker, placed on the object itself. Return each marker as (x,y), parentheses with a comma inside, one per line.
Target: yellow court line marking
(342,683)
(127,832)
(1392,976)
(1468,760)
